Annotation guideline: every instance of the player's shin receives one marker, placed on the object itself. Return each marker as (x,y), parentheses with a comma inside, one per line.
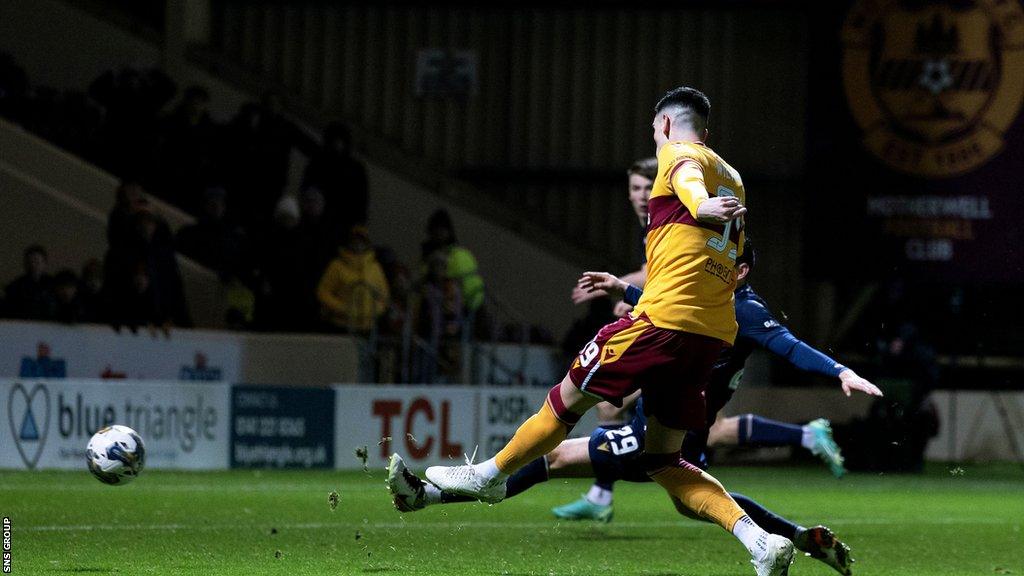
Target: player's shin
(697,490)
(766,518)
(759,431)
(527,477)
(540,434)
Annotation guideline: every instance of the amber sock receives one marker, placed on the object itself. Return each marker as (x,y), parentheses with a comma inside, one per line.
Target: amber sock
(540,434)
(700,492)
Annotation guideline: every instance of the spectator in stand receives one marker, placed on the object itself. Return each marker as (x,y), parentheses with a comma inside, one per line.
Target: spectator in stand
(398,278)
(151,246)
(440,311)
(240,304)
(284,295)
(90,293)
(439,321)
(67,306)
(213,241)
(257,158)
(132,101)
(462,266)
(394,322)
(130,198)
(318,238)
(30,296)
(140,304)
(341,177)
(185,155)
(218,244)
(353,290)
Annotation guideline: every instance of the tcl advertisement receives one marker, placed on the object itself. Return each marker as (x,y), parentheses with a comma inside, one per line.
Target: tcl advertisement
(429,425)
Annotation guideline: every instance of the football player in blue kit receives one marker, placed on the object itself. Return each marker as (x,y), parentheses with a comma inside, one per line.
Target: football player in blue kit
(612,453)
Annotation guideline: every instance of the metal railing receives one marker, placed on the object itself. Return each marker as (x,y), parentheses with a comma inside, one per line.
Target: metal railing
(472,356)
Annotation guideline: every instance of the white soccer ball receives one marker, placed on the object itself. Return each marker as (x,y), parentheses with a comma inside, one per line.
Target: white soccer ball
(116,455)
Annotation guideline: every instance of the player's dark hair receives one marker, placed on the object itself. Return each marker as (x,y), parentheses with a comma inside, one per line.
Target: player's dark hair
(690,100)
(646,167)
(749,256)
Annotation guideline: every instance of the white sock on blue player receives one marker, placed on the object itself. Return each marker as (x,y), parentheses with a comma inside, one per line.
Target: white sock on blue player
(599,496)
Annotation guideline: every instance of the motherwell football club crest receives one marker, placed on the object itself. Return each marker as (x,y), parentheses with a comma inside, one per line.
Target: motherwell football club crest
(934,84)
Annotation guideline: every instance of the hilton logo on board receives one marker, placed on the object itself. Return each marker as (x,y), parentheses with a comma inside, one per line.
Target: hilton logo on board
(934,85)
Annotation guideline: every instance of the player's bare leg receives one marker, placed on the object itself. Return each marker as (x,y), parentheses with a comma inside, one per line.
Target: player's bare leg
(815,436)
(540,434)
(724,432)
(571,459)
(611,416)
(704,497)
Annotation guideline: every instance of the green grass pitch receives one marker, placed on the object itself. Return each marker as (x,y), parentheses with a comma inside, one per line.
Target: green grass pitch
(248,522)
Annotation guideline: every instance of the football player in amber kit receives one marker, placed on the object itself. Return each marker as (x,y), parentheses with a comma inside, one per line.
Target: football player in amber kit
(667,347)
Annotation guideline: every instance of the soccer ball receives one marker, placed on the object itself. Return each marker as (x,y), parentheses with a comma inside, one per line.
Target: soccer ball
(115,455)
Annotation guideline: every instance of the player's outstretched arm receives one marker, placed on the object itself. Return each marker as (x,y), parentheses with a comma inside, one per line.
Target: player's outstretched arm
(757,323)
(810,359)
(580,295)
(603,281)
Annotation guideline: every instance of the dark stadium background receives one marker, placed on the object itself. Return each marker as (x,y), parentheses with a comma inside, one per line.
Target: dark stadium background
(519,120)
(177,178)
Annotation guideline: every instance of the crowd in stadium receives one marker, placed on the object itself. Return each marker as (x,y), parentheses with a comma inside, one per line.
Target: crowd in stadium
(300,262)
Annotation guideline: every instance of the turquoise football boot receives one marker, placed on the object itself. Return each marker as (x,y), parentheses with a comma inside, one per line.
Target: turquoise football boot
(584,509)
(825,447)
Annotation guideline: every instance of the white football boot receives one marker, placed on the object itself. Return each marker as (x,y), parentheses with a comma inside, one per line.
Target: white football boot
(465,481)
(778,559)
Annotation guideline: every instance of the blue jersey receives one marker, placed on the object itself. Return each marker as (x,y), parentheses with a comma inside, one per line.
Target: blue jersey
(759,329)
(616,449)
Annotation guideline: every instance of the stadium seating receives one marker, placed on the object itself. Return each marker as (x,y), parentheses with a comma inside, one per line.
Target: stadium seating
(60,201)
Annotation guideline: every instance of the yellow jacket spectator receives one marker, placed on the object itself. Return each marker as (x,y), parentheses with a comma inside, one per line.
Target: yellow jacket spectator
(353,291)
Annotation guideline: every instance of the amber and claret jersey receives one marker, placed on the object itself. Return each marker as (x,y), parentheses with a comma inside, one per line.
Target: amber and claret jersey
(691,265)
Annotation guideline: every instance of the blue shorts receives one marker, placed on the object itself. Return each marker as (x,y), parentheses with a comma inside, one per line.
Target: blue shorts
(615,452)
